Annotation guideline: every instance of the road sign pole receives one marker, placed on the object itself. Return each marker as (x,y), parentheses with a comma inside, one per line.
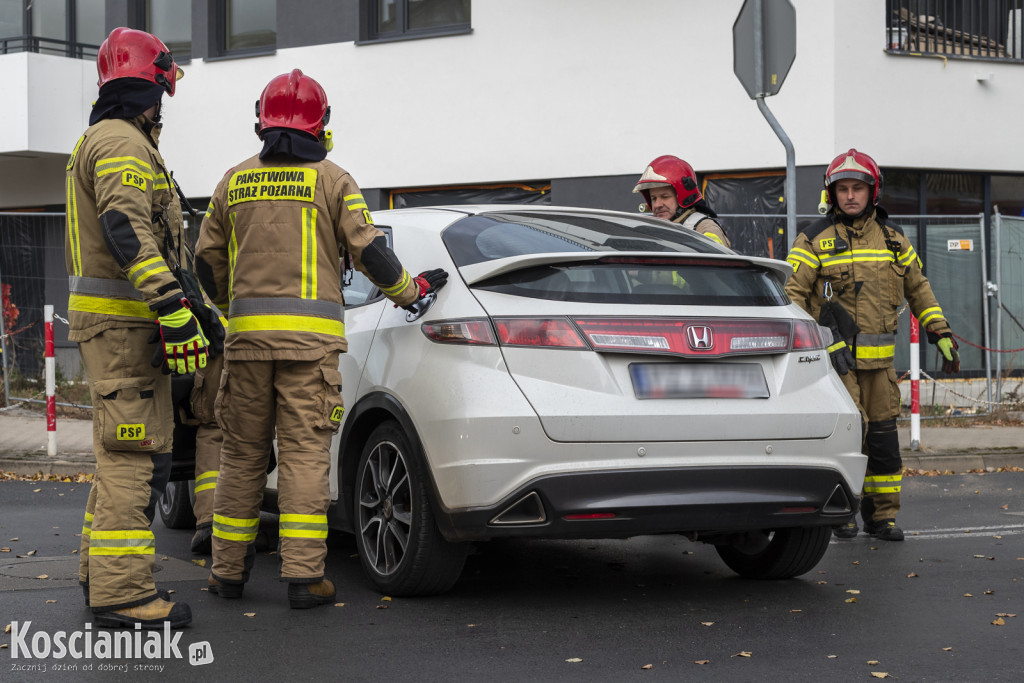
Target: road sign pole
(790,171)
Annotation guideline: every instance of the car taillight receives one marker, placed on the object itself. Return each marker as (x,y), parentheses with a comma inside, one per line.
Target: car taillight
(688,336)
(470,331)
(807,336)
(549,332)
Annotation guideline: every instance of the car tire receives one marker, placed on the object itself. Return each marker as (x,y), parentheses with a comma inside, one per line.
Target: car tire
(400,547)
(175,506)
(789,553)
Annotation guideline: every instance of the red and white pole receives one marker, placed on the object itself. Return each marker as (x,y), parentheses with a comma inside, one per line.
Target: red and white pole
(51,385)
(915,384)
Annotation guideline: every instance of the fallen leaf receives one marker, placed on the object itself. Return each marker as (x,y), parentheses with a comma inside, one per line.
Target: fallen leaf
(386,599)
(7,629)
(1005,614)
(990,592)
(1004,507)
(382,606)
(4,646)
(14,539)
(850,600)
(821,583)
(204,589)
(853,591)
(250,614)
(999,622)
(647,666)
(855,562)
(912,575)
(980,557)
(574,660)
(744,653)
(43,576)
(872,662)
(339,604)
(5,550)
(832,656)
(946,649)
(75,551)
(701,661)
(879,674)
(794,611)
(471,625)
(50,602)
(201,561)
(30,553)
(36,490)
(706,623)
(968,595)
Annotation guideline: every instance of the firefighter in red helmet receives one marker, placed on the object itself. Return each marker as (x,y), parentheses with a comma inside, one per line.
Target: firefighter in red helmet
(125,250)
(669,187)
(268,255)
(852,270)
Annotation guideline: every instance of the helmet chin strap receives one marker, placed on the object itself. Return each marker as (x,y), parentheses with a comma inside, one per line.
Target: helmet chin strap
(679,212)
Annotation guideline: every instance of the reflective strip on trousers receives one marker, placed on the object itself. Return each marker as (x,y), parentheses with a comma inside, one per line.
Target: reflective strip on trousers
(87,524)
(122,542)
(882,483)
(207,481)
(303,526)
(232,529)
(876,346)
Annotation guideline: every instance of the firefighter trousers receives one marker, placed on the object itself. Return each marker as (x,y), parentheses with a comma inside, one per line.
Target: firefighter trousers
(877,395)
(209,438)
(303,400)
(133,427)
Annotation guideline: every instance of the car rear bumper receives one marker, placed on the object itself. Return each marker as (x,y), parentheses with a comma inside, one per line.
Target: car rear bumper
(701,501)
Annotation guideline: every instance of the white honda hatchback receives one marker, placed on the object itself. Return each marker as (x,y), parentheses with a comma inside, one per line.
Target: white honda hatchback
(585,374)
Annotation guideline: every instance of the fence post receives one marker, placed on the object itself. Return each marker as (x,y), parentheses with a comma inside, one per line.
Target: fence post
(51,388)
(997,343)
(915,383)
(3,349)
(986,292)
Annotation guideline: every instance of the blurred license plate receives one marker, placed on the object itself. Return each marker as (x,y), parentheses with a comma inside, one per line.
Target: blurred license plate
(703,380)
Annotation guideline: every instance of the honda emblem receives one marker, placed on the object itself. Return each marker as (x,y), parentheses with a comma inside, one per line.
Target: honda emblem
(700,337)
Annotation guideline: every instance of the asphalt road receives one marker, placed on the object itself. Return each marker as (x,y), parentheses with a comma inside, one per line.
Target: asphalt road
(922,610)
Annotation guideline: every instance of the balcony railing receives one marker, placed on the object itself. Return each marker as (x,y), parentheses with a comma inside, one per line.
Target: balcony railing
(47,46)
(959,29)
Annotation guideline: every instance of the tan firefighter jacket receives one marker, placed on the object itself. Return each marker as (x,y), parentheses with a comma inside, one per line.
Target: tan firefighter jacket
(869,277)
(704,224)
(269,256)
(124,229)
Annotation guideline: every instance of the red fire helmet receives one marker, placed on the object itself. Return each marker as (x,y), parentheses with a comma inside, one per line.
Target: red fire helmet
(854,165)
(672,172)
(128,53)
(293,100)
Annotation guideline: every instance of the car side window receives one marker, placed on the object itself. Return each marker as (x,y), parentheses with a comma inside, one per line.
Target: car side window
(358,290)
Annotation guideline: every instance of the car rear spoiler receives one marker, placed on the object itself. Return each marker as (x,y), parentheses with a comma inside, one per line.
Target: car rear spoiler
(478,272)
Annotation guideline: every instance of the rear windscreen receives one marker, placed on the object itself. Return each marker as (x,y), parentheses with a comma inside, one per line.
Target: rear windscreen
(638,283)
(491,236)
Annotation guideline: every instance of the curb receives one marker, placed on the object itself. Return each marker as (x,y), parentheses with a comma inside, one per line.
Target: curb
(67,464)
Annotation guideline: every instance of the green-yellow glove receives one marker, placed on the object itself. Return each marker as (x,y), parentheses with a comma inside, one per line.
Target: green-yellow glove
(182,342)
(950,356)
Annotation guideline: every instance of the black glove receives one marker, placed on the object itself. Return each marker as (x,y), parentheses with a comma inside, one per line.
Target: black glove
(429,281)
(948,348)
(839,352)
(209,321)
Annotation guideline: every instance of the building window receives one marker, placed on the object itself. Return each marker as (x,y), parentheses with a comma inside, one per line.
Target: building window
(171,22)
(385,20)
(966,29)
(72,28)
(247,27)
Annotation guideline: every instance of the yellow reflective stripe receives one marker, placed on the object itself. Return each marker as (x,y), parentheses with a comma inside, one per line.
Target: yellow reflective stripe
(930,314)
(355,201)
(804,256)
(98,304)
(911,255)
(122,542)
(714,237)
(232,257)
(867,352)
(161,183)
(872,483)
(838,345)
(285,323)
(141,271)
(234,529)
(303,526)
(87,524)
(308,284)
(207,481)
(76,247)
(858,256)
(400,286)
(209,208)
(118,164)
